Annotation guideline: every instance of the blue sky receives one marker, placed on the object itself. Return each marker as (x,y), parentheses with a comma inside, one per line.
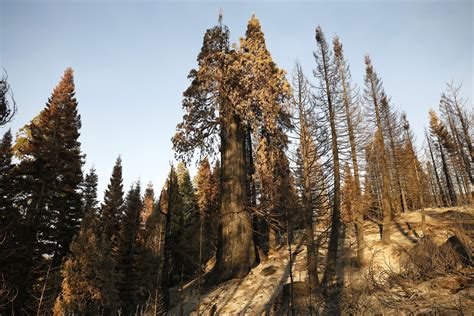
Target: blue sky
(131,60)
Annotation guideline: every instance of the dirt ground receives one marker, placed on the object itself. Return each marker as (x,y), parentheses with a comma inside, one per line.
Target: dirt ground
(258,292)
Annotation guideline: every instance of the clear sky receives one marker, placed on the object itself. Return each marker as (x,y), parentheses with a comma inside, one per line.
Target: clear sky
(131,60)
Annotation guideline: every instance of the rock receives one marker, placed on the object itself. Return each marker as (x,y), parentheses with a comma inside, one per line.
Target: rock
(458,246)
(268,271)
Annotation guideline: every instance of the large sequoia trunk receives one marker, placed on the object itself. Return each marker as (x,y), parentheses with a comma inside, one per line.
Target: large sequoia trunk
(236,253)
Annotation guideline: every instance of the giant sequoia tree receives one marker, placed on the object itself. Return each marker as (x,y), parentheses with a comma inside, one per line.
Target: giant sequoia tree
(233,91)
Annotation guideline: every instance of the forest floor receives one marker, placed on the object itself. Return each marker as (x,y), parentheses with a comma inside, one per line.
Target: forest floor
(409,275)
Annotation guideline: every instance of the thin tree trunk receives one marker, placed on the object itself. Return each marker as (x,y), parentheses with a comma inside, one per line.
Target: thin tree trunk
(468,140)
(385,171)
(200,268)
(449,183)
(307,196)
(359,218)
(290,255)
(43,290)
(181,291)
(167,247)
(441,188)
(330,271)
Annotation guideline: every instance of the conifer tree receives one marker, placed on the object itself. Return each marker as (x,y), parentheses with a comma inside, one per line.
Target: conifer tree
(50,172)
(89,278)
(264,89)
(10,228)
(112,209)
(353,119)
(215,204)
(89,195)
(304,121)
(392,131)
(148,203)
(440,185)
(184,227)
(373,95)
(461,127)
(170,201)
(227,94)
(128,249)
(444,142)
(151,257)
(349,195)
(204,200)
(420,184)
(209,108)
(326,73)
(51,162)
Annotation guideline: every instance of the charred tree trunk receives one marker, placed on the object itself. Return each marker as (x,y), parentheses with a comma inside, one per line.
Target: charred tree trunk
(359,218)
(236,254)
(449,183)
(385,172)
(435,168)
(330,272)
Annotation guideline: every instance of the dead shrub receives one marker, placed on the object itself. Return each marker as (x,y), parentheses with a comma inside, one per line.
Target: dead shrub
(426,260)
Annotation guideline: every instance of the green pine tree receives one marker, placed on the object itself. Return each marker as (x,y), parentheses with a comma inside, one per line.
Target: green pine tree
(11,255)
(112,209)
(128,250)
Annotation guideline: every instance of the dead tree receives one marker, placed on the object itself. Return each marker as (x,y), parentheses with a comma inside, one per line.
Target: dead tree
(373,95)
(8,107)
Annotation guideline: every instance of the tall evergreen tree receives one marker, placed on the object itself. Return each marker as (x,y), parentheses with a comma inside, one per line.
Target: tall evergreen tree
(170,201)
(264,90)
(184,228)
(89,278)
(204,200)
(50,172)
(148,203)
(11,255)
(227,95)
(215,204)
(51,162)
(128,249)
(151,257)
(89,194)
(112,209)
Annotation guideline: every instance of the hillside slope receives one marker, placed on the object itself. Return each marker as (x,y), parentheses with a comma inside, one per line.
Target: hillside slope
(412,274)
